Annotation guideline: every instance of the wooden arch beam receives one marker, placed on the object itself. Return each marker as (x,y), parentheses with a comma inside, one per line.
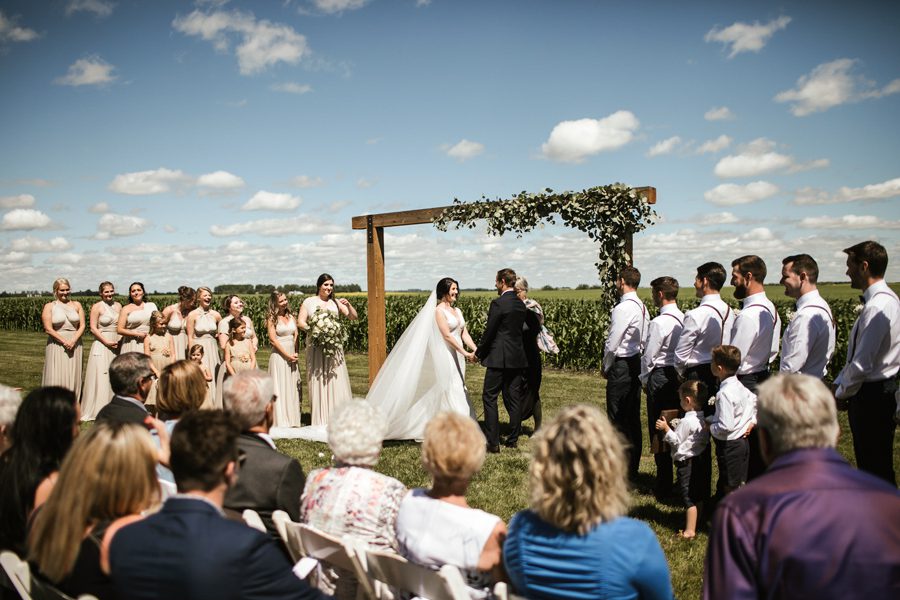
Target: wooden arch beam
(374,225)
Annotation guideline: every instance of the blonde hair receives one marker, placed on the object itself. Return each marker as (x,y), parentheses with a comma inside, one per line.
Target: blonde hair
(797,411)
(157,319)
(60,281)
(182,387)
(578,471)
(110,472)
(454,447)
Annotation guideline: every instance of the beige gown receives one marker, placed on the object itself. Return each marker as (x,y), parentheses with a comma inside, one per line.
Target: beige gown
(138,320)
(177,328)
(205,335)
(97,392)
(287,377)
(63,367)
(329,381)
(223,372)
(159,347)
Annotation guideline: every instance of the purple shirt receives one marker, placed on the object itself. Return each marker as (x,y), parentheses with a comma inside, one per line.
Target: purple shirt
(811,526)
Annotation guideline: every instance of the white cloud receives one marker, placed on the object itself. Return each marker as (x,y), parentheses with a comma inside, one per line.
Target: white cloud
(722,218)
(219,181)
(463,150)
(666,146)
(263,43)
(305,181)
(746,37)
(69,258)
(292,88)
(100,8)
(335,6)
(10,32)
(871,193)
(573,141)
(719,113)
(32,245)
(142,183)
(301,224)
(832,84)
(758,157)
(731,194)
(713,146)
(20,201)
(263,200)
(112,225)
(99,208)
(25,219)
(364,184)
(849,222)
(91,70)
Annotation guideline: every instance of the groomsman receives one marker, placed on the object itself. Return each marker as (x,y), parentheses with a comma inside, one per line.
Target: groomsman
(658,375)
(757,329)
(808,341)
(756,333)
(621,365)
(868,381)
(705,327)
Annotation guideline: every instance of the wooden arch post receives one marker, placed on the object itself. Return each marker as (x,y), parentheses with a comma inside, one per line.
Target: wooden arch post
(374,226)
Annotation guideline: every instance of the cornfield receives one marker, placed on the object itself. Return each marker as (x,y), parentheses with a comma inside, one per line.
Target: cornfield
(579,326)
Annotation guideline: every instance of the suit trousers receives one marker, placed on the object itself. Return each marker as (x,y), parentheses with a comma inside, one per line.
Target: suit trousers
(662,394)
(871,414)
(511,382)
(623,405)
(757,465)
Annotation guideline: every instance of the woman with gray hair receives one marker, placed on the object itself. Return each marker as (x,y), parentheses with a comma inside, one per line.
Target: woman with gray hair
(575,541)
(351,498)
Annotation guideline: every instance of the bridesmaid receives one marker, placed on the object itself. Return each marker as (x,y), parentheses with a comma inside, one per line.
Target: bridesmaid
(159,345)
(177,319)
(63,320)
(329,381)
(134,320)
(234,309)
(202,323)
(104,314)
(284,364)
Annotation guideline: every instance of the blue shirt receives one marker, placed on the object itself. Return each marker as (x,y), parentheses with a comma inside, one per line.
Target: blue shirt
(621,559)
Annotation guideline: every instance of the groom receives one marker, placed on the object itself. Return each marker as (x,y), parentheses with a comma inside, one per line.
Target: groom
(502,352)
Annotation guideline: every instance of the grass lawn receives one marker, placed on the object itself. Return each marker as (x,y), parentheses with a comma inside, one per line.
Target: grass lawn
(500,487)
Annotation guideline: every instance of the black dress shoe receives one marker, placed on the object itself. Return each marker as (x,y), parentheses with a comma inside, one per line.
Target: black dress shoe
(493,449)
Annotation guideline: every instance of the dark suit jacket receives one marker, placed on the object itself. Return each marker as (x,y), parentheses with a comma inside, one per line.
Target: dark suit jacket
(120,409)
(188,550)
(501,344)
(268,481)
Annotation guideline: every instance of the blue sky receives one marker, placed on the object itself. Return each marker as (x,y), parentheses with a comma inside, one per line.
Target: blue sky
(211,142)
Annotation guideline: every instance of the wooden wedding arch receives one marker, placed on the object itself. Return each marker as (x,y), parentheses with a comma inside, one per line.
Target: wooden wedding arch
(374,225)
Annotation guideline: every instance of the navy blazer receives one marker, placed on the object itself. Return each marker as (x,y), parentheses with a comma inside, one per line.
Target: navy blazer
(121,410)
(189,551)
(501,344)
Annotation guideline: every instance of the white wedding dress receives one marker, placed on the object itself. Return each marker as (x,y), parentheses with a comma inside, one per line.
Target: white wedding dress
(422,376)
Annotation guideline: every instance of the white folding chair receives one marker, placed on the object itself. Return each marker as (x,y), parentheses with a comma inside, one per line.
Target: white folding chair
(27,587)
(328,549)
(397,572)
(252,518)
(501,592)
(281,520)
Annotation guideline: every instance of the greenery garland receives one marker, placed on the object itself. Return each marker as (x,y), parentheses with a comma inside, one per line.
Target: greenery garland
(609,214)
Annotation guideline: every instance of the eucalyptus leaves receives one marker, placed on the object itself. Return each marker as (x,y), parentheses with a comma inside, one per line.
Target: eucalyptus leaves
(609,214)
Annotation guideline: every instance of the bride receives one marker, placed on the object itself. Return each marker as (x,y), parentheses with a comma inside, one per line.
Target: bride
(425,372)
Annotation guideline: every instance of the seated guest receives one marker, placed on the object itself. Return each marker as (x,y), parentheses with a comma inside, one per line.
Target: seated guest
(575,541)
(131,378)
(436,526)
(189,549)
(269,480)
(181,389)
(10,399)
(106,481)
(45,426)
(351,498)
(811,526)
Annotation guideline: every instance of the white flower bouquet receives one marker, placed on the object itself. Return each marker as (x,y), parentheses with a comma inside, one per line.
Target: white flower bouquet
(327,332)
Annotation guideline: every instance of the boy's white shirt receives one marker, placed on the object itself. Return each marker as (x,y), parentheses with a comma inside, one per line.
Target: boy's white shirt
(735,410)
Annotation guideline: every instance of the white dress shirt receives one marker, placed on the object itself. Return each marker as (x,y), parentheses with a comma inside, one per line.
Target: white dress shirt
(756,333)
(808,341)
(735,410)
(628,327)
(689,439)
(705,327)
(662,338)
(873,351)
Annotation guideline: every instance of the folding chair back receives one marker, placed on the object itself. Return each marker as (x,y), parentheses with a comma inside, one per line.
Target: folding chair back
(332,551)
(281,520)
(252,518)
(395,571)
(28,587)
